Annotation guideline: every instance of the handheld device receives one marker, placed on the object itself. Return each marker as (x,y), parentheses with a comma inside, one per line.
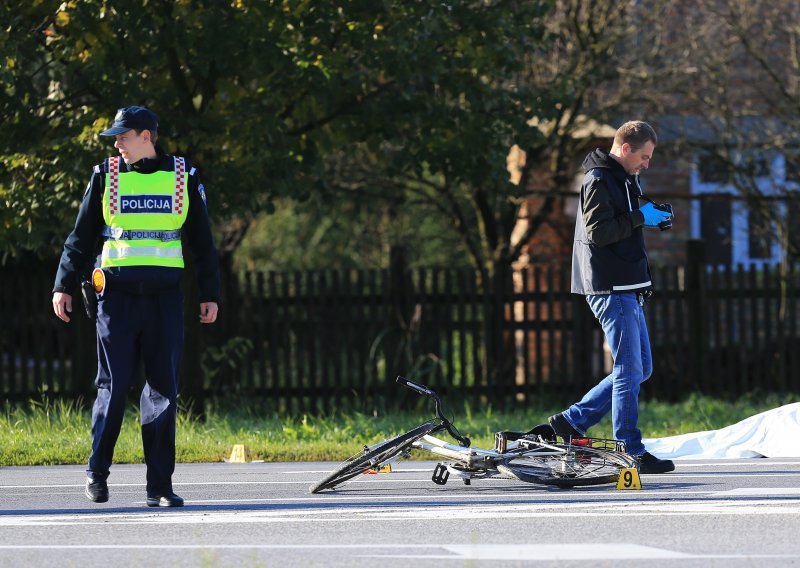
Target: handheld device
(663,225)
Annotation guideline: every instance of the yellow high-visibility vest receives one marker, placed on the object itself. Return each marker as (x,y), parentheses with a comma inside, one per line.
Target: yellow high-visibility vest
(143,215)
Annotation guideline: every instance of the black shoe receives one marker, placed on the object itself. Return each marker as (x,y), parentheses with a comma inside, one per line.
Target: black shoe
(97,490)
(563,428)
(168,499)
(544,432)
(648,463)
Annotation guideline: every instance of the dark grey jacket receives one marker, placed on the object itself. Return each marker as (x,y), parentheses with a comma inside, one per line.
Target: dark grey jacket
(608,254)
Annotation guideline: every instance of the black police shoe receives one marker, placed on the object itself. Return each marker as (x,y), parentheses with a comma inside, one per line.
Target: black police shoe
(648,463)
(563,428)
(97,490)
(168,499)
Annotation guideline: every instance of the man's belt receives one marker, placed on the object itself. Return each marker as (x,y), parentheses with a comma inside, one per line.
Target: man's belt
(118,233)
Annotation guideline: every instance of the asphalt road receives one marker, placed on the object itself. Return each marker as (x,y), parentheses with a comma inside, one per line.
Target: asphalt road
(706,513)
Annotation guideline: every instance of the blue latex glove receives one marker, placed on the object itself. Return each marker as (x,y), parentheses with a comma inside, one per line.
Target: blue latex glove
(653,216)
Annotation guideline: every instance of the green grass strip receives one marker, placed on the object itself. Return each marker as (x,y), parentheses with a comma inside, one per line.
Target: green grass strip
(58,432)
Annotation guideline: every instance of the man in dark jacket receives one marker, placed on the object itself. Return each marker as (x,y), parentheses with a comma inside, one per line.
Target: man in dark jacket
(610,268)
(136,212)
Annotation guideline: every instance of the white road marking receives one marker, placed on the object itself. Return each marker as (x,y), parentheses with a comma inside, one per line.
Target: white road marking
(111,485)
(718,475)
(223,546)
(567,551)
(682,463)
(599,491)
(565,555)
(177,484)
(253,468)
(445,513)
(530,552)
(392,478)
(455,496)
(604,491)
(616,510)
(747,491)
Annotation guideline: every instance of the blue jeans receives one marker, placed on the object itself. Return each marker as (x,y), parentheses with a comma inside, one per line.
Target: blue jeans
(622,319)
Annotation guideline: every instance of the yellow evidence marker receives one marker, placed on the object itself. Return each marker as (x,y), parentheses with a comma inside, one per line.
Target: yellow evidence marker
(239,454)
(383,469)
(629,479)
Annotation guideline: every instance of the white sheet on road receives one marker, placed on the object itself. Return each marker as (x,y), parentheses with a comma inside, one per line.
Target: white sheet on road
(771,434)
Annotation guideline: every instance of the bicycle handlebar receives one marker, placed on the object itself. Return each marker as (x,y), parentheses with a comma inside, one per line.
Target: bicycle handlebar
(415,386)
(422,389)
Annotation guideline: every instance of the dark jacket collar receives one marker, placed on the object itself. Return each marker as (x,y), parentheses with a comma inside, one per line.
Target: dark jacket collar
(149,165)
(601,159)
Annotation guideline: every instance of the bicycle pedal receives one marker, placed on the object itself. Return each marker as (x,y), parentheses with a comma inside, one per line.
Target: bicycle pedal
(440,474)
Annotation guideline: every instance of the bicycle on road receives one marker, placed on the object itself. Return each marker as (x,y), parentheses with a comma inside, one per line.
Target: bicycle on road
(534,456)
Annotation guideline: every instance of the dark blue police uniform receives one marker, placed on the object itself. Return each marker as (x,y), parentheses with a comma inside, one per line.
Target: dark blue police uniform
(139,323)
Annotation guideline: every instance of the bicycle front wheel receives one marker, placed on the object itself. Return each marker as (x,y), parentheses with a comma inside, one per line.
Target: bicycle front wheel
(373,457)
(575,466)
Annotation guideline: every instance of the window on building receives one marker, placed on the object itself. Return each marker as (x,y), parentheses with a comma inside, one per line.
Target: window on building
(714,169)
(793,210)
(755,166)
(759,231)
(793,167)
(718,169)
(715,229)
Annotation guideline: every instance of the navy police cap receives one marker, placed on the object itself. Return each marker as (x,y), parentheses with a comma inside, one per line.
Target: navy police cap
(134,117)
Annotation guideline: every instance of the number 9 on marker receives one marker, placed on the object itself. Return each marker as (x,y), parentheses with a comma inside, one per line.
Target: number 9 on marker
(629,479)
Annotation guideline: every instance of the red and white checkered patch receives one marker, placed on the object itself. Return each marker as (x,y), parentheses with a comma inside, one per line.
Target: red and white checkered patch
(180,171)
(113,188)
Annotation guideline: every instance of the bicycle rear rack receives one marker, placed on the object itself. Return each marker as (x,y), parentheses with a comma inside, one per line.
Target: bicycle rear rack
(599,444)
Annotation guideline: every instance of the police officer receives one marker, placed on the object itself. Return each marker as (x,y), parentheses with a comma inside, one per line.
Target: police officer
(131,222)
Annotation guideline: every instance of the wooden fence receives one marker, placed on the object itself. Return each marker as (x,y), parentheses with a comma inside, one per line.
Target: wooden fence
(312,340)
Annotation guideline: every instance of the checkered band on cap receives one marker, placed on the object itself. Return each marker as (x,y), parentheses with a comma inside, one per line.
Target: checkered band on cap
(180,171)
(113,188)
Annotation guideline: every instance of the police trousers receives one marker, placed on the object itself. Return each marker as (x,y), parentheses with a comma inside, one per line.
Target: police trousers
(135,330)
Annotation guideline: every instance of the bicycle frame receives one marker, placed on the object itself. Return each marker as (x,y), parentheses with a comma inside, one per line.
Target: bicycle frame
(470,457)
(473,457)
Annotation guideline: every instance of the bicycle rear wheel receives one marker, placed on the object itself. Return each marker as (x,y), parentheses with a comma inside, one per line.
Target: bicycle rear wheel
(576,466)
(373,457)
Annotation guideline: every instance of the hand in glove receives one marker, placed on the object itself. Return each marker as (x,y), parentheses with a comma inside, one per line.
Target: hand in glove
(653,216)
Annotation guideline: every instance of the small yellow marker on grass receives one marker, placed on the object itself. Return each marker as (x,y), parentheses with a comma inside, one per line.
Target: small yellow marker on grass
(239,454)
(629,479)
